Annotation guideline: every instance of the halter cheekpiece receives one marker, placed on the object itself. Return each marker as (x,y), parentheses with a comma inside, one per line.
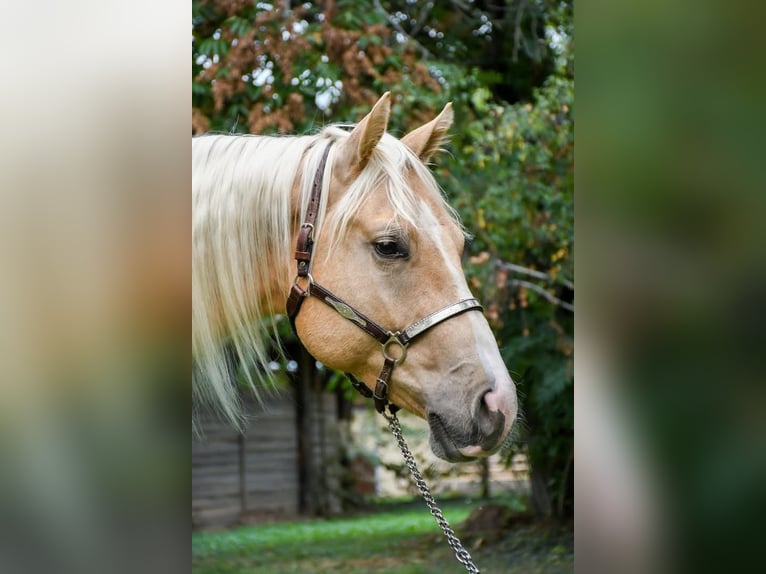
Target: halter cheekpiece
(388,339)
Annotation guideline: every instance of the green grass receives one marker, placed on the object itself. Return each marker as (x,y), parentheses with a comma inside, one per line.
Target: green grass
(402,541)
(287,547)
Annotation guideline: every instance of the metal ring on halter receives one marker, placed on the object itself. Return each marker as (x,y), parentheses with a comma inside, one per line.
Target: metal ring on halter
(393,338)
(310,281)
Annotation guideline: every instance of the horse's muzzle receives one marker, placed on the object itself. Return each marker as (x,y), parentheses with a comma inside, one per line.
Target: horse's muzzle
(483,434)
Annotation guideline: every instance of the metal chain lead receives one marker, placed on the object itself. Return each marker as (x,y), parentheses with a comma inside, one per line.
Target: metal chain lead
(461,553)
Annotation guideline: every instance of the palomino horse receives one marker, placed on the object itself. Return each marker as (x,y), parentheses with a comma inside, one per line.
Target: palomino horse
(377,238)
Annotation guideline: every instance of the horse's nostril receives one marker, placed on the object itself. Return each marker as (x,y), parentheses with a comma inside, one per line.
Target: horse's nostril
(480,404)
(492,401)
(488,405)
(489,420)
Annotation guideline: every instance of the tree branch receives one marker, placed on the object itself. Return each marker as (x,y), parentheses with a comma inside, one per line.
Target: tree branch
(533,273)
(544,293)
(395,25)
(517,33)
(564,484)
(423,15)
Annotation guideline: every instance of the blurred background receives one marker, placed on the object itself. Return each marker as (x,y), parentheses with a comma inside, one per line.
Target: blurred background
(95,244)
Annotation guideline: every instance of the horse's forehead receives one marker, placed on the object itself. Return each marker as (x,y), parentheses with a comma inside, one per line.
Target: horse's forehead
(425,215)
(427,202)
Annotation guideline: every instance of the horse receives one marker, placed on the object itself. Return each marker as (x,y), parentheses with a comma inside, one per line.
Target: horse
(375,229)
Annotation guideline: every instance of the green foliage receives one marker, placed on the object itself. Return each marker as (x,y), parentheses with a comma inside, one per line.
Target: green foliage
(521,158)
(511,44)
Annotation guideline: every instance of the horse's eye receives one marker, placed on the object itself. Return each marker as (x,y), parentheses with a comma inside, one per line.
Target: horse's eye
(390,249)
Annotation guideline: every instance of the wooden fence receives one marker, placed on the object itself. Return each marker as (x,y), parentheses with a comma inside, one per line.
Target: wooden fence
(269,469)
(304,454)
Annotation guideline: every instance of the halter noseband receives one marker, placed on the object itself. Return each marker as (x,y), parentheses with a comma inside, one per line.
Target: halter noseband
(304,252)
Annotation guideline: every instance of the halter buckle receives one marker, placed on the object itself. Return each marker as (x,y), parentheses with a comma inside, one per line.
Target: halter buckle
(394,339)
(309,282)
(383,387)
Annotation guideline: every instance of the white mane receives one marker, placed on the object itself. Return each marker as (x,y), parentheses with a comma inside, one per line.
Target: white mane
(243,239)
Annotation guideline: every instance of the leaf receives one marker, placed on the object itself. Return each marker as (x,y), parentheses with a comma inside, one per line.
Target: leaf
(479,98)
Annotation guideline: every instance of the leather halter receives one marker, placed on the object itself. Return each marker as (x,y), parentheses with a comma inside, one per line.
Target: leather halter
(304,253)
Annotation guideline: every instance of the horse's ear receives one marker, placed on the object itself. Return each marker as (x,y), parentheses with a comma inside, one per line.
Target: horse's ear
(427,139)
(367,133)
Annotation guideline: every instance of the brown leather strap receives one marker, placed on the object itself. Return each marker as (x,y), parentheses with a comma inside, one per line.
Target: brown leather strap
(304,249)
(380,396)
(359,386)
(348,312)
(304,246)
(294,301)
(312,211)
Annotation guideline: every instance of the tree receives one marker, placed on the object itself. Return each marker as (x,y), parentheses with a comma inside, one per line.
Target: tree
(259,68)
(507,41)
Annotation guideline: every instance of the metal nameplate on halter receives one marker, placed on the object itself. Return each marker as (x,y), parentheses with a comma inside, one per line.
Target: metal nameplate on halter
(347,312)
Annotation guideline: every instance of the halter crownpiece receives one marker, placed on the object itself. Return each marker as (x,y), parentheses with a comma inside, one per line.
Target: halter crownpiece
(304,253)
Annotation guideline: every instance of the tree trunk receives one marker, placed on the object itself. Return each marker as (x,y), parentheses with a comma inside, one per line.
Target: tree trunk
(306,471)
(485,489)
(541,498)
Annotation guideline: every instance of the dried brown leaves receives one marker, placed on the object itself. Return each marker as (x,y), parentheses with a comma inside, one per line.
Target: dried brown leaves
(367,58)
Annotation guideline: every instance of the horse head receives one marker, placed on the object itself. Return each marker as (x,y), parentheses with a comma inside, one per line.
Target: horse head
(390,246)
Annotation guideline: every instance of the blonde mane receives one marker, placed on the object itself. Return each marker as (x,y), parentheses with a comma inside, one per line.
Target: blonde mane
(242,241)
